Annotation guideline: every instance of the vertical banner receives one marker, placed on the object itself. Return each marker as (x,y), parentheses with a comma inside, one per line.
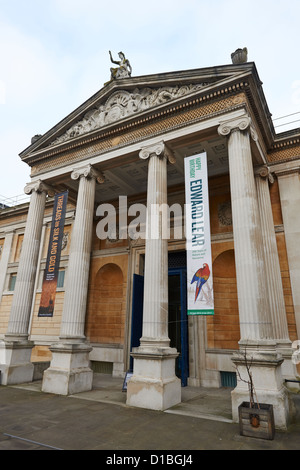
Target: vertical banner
(53,257)
(200,298)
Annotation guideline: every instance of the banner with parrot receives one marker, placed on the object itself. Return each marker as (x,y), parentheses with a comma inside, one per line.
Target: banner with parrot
(200,298)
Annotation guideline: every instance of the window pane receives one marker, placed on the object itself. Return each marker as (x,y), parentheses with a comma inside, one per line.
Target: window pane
(12,282)
(61,278)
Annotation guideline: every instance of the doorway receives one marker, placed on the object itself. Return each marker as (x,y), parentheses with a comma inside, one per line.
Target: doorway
(177,322)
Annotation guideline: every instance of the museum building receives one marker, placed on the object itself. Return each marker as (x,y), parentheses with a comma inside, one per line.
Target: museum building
(120,300)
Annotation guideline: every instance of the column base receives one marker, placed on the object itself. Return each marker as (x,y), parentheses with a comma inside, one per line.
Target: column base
(154,384)
(69,371)
(289,368)
(15,365)
(265,367)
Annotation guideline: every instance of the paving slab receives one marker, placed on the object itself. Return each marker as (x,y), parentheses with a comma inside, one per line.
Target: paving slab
(101,420)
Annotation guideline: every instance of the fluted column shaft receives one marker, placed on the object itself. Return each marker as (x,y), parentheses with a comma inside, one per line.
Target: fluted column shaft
(255,322)
(155,313)
(73,317)
(257,338)
(289,190)
(273,274)
(154,384)
(24,288)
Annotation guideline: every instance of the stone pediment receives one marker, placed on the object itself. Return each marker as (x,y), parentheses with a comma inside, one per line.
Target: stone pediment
(132,98)
(122,104)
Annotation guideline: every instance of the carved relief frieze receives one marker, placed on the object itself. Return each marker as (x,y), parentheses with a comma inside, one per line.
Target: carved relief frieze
(130,132)
(122,104)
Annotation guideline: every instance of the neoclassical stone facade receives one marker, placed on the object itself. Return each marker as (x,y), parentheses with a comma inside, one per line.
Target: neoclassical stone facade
(121,301)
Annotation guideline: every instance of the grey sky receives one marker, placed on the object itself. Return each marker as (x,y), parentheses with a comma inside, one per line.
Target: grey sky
(54,56)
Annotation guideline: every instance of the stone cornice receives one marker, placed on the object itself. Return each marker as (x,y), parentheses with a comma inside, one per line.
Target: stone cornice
(287,171)
(285,168)
(287,142)
(285,148)
(137,134)
(163,111)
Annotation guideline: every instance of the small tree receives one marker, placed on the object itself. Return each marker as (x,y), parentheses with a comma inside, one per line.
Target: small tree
(253,401)
(253,412)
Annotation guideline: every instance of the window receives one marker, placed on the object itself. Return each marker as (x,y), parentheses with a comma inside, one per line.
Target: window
(61,278)
(12,282)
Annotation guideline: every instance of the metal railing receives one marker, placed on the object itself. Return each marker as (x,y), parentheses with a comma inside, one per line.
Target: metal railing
(287,121)
(14,201)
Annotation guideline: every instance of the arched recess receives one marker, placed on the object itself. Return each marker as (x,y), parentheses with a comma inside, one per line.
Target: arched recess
(223,329)
(106,306)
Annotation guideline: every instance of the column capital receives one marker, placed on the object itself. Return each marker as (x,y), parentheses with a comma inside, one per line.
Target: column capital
(160,149)
(39,187)
(89,172)
(264,173)
(242,123)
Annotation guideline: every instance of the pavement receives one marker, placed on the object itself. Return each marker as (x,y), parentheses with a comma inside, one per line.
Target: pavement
(101,420)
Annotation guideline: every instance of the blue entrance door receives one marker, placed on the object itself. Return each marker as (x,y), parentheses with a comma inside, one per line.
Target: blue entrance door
(137,313)
(178,321)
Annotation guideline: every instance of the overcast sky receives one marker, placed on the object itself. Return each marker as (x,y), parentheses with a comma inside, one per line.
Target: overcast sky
(54,56)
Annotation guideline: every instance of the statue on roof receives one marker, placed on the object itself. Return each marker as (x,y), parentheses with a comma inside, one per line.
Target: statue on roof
(124,70)
(240,56)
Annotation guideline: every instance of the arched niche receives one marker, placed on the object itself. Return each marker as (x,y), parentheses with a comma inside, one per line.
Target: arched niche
(106,306)
(223,330)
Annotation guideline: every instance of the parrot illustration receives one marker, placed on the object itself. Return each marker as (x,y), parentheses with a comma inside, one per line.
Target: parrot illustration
(201,277)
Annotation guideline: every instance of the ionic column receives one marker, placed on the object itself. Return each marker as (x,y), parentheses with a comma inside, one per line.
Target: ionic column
(22,299)
(155,313)
(273,274)
(254,312)
(16,362)
(73,317)
(289,190)
(69,370)
(255,320)
(154,384)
